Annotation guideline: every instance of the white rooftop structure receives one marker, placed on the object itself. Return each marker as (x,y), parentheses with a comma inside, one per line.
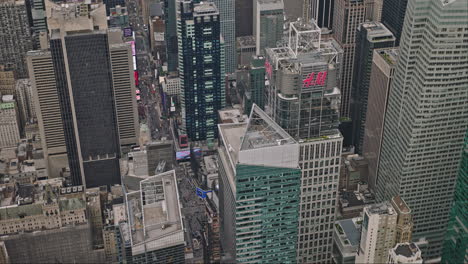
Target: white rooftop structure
(155,217)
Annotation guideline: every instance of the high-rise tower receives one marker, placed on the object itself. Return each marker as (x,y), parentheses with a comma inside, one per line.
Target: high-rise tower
(456,239)
(393,15)
(84,94)
(319,10)
(303,99)
(268,24)
(427,116)
(201,66)
(347,17)
(15,36)
(259,191)
(170,22)
(227,16)
(370,36)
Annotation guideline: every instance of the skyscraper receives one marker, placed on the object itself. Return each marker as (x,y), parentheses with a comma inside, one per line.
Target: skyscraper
(227,16)
(244,22)
(370,36)
(170,21)
(268,24)
(37,20)
(255,93)
(383,68)
(321,11)
(380,226)
(393,15)
(426,118)
(85,94)
(347,17)
(259,191)
(303,99)
(456,239)
(15,36)
(201,67)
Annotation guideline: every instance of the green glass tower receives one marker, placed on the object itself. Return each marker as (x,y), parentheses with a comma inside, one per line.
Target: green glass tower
(259,191)
(456,241)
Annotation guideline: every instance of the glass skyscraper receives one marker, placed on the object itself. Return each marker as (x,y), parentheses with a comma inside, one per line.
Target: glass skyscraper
(259,191)
(426,118)
(304,100)
(201,68)
(456,240)
(393,15)
(227,16)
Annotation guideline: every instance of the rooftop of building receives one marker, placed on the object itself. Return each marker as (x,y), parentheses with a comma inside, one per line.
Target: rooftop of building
(205,8)
(271,4)
(231,115)
(246,41)
(390,55)
(408,250)
(383,208)
(400,204)
(156,222)
(259,142)
(349,230)
(377,31)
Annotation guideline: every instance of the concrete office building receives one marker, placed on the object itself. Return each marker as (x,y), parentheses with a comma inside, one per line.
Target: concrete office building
(25,101)
(425,174)
(393,14)
(268,24)
(154,230)
(347,17)
(158,152)
(16,37)
(346,234)
(408,253)
(201,68)
(456,238)
(65,245)
(258,161)
(7,81)
(171,85)
(303,99)
(9,122)
(319,10)
(89,130)
(379,230)
(370,36)
(383,68)
(246,48)
(227,16)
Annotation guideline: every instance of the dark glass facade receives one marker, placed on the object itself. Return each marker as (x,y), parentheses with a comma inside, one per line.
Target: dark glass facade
(393,15)
(170,23)
(370,36)
(89,112)
(113,3)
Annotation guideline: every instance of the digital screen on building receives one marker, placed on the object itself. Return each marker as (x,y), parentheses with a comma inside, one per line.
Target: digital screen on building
(137,91)
(183,155)
(127,32)
(183,141)
(197,152)
(268,68)
(132,43)
(135,76)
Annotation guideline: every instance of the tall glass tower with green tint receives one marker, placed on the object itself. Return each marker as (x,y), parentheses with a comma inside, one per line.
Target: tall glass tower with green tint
(259,191)
(456,240)
(426,119)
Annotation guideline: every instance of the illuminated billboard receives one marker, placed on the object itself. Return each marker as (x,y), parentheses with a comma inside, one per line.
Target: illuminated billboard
(183,155)
(135,76)
(127,32)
